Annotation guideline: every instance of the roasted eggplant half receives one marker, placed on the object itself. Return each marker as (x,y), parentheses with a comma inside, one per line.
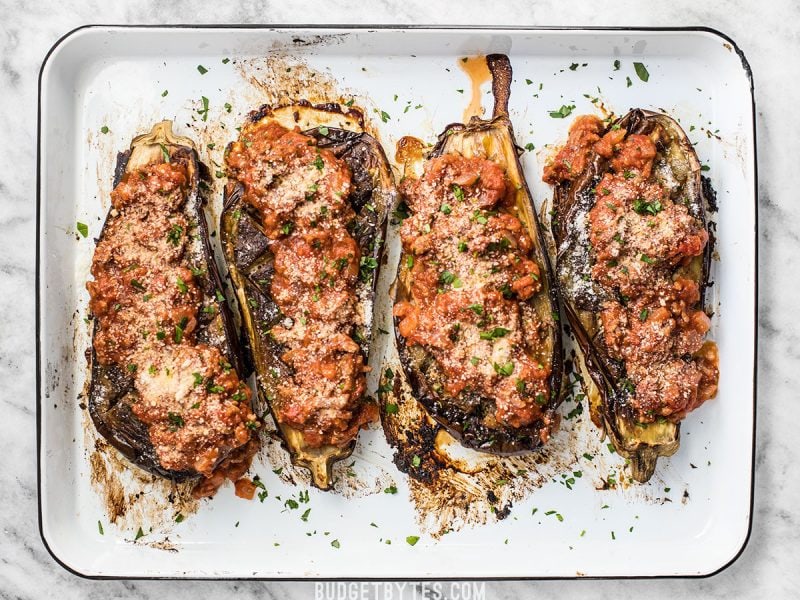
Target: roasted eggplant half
(302,231)
(476,317)
(167,385)
(633,255)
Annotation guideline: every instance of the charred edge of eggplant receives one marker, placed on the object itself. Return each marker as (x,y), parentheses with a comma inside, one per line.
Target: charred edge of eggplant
(355,148)
(268,110)
(606,372)
(465,426)
(110,385)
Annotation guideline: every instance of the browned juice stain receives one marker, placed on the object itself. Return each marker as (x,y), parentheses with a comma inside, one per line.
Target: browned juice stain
(478,72)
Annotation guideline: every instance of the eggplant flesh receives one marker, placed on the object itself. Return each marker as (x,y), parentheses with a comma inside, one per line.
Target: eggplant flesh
(467,416)
(111,391)
(250,261)
(677,168)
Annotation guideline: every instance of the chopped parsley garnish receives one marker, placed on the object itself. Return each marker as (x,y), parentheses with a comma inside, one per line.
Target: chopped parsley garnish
(642,206)
(287,228)
(530,147)
(540,399)
(228,107)
(225,61)
(646,259)
(319,163)
(335,544)
(179,328)
(164,93)
(174,235)
(446,209)
(137,284)
(390,490)
(202,69)
(643,314)
(139,534)
(477,309)
(391,408)
(323,130)
(616,65)
(367,267)
(83,229)
(495,333)
(164,153)
(629,83)
(411,540)
(384,115)
(104,129)
(203,111)
(505,369)
(641,71)
(416,461)
(462,246)
(175,421)
(563,112)
(198,378)
(182,287)
(458,192)
(446,277)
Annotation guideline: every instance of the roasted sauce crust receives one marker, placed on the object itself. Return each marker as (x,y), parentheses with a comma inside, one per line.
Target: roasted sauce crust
(301,192)
(640,237)
(146,303)
(472,276)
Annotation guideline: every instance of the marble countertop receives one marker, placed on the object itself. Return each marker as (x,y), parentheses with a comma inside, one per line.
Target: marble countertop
(767,35)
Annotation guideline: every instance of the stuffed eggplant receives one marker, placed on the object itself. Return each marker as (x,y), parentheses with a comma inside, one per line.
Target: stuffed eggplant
(167,387)
(476,317)
(633,255)
(302,232)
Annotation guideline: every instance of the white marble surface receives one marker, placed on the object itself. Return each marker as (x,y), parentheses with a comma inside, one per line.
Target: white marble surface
(765,31)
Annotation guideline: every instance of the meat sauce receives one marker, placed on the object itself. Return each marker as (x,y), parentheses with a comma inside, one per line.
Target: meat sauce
(301,193)
(472,276)
(640,237)
(146,300)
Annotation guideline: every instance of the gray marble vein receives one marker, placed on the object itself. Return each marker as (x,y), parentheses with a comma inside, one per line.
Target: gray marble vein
(766,31)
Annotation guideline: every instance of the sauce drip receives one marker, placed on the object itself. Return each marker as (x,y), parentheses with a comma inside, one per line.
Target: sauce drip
(478,72)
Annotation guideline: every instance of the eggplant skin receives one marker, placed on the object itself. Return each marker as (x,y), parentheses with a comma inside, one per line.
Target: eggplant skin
(111,388)
(464,417)
(250,262)
(678,169)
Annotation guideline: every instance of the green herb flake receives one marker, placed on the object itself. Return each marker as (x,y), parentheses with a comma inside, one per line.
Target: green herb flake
(164,93)
(616,65)
(628,82)
(100,528)
(335,544)
(104,129)
(139,534)
(495,333)
(458,192)
(643,314)
(83,229)
(504,369)
(641,71)
(164,153)
(202,69)
(179,518)
(416,461)
(563,112)
(323,130)
(391,408)
(412,540)
(390,490)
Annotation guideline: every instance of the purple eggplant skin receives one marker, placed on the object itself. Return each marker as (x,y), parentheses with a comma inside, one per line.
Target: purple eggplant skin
(111,389)
(679,169)
(463,417)
(250,262)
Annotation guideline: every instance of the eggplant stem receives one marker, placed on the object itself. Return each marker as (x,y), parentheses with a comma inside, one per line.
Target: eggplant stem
(500,68)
